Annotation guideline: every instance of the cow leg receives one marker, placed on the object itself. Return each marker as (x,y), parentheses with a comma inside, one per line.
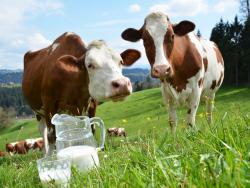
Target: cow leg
(172,116)
(171,108)
(44,131)
(209,107)
(192,107)
(48,148)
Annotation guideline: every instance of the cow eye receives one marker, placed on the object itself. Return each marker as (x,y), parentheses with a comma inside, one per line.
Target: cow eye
(91,66)
(172,36)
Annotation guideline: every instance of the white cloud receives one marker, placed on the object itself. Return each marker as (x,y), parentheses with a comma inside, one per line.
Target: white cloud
(32,42)
(222,5)
(37,41)
(134,8)
(181,8)
(15,11)
(17,38)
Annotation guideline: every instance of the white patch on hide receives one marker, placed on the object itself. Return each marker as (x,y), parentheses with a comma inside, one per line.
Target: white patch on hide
(156,25)
(54,46)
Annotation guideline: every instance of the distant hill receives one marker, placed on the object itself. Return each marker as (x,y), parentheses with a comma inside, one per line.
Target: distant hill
(5,71)
(11,77)
(15,76)
(136,74)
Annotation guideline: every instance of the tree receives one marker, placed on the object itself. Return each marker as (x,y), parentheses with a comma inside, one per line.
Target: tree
(245,8)
(227,36)
(245,48)
(198,33)
(6,117)
(235,35)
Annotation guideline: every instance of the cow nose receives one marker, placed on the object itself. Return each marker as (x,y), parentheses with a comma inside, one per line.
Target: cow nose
(160,71)
(122,85)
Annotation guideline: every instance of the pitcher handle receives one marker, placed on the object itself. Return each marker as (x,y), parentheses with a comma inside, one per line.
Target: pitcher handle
(99,122)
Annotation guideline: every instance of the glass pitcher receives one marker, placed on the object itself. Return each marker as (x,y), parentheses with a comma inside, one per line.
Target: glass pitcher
(76,130)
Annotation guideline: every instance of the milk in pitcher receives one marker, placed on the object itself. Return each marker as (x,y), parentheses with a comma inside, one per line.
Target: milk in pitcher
(83,156)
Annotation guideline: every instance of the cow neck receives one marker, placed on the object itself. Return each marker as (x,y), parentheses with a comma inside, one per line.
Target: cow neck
(182,61)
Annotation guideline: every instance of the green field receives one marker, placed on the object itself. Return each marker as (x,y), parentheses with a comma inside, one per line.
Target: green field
(216,155)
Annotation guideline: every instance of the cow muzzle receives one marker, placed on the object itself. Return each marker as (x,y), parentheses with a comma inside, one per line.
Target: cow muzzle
(121,88)
(161,71)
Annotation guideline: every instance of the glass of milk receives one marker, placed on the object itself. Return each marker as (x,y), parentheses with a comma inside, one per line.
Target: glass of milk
(54,171)
(80,146)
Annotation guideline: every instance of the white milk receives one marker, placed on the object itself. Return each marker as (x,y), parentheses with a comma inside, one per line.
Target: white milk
(84,157)
(60,176)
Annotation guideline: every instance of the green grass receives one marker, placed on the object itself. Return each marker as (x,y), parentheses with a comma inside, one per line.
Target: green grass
(216,155)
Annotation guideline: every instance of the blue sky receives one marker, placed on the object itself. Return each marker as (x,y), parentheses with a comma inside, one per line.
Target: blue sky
(34,24)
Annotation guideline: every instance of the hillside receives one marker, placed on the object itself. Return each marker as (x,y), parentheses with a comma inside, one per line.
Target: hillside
(212,156)
(143,111)
(15,76)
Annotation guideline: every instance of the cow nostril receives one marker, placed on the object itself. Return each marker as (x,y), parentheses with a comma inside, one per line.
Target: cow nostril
(115,84)
(168,70)
(156,71)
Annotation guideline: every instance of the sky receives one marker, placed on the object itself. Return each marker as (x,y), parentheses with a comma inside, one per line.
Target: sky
(34,24)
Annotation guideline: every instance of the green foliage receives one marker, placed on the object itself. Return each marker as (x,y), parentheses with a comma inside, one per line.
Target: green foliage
(216,155)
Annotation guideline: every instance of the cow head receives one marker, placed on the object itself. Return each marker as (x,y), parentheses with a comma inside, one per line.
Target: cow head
(158,35)
(104,67)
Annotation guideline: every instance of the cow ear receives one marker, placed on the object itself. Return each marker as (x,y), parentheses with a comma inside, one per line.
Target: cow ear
(132,35)
(70,61)
(183,27)
(130,56)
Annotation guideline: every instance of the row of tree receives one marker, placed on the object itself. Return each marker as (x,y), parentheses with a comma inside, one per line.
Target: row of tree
(11,97)
(233,40)
(6,117)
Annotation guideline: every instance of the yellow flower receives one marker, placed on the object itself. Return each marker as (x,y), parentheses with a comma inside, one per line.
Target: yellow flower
(124,121)
(148,118)
(201,115)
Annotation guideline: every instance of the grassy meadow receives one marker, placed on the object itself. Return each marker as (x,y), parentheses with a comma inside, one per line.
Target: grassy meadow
(216,155)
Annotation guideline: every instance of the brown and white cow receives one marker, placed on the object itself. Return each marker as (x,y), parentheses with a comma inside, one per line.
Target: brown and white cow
(22,147)
(116,131)
(38,145)
(63,77)
(10,148)
(188,66)
(2,154)
(34,143)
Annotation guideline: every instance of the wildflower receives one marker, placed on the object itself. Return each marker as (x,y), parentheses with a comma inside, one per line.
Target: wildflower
(148,118)
(122,140)
(124,121)
(105,156)
(201,115)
